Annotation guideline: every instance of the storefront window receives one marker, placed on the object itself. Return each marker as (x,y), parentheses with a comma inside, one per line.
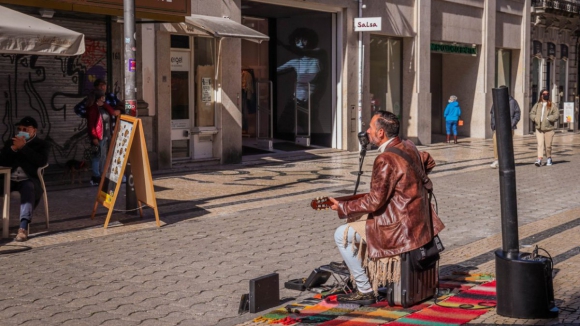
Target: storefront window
(385,74)
(503,67)
(536,86)
(563,82)
(204,61)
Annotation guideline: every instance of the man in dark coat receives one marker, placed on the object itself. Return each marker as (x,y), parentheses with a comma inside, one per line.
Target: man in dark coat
(25,153)
(515,113)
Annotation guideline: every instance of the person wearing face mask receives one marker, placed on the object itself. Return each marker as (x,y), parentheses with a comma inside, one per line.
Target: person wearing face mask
(25,153)
(452,114)
(544,114)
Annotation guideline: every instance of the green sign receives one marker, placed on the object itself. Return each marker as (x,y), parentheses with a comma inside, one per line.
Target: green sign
(455,49)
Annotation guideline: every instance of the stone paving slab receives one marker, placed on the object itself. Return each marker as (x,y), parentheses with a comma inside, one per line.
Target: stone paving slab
(193,269)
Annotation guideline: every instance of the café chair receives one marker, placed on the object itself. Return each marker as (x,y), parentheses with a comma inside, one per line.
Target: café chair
(40,173)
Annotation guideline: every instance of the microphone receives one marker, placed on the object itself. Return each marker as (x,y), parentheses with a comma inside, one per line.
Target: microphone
(363,139)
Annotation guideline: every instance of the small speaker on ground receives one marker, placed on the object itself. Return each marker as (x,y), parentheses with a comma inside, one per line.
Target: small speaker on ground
(264,294)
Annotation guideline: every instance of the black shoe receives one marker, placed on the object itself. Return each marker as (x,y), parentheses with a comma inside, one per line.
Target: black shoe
(358,298)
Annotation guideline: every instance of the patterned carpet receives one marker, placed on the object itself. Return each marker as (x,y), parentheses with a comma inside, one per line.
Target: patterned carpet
(465,297)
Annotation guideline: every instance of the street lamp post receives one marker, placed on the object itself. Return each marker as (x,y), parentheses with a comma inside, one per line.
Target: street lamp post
(130,100)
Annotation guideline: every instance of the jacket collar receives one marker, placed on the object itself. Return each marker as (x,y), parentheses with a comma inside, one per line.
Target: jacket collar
(394,142)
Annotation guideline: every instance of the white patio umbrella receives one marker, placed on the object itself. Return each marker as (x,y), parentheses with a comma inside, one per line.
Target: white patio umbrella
(24,34)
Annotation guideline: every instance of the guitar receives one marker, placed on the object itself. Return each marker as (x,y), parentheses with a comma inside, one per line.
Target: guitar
(322,203)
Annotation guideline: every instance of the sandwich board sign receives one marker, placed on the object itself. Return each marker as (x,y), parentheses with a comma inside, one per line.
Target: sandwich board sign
(128,143)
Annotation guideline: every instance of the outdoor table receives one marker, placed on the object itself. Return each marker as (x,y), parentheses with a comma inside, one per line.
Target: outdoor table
(6,207)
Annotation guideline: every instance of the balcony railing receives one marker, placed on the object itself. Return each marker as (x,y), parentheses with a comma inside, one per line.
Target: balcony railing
(569,6)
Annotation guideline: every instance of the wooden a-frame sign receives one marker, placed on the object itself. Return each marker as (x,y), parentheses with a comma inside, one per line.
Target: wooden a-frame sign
(128,143)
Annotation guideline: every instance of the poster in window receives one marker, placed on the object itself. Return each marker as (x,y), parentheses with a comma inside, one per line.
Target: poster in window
(204,115)
(206,90)
(303,67)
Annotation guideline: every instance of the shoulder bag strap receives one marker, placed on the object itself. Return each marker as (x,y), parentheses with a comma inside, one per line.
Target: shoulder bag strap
(420,173)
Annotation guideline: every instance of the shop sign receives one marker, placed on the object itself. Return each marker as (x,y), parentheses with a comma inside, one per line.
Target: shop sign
(367,24)
(131,107)
(537,49)
(551,50)
(569,112)
(179,61)
(454,49)
(171,9)
(563,52)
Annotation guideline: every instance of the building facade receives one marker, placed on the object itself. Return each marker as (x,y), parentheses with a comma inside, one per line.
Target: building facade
(234,73)
(554,56)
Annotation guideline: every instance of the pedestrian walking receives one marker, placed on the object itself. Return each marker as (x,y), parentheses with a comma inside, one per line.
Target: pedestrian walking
(515,113)
(544,114)
(452,114)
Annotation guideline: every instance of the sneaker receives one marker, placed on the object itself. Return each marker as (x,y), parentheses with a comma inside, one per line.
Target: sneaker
(538,163)
(549,162)
(494,164)
(21,236)
(358,298)
(94,181)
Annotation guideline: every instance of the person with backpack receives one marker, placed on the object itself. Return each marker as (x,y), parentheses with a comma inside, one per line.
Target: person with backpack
(100,127)
(110,98)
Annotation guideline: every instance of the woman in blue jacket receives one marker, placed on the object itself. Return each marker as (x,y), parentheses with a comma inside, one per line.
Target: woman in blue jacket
(452,114)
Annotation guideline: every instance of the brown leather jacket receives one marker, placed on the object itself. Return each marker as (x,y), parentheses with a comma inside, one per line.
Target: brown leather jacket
(397,205)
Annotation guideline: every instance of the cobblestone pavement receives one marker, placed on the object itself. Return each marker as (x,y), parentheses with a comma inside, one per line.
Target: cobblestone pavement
(227,225)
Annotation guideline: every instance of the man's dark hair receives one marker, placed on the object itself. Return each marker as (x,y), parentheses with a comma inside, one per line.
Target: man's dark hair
(389,122)
(94,96)
(98,82)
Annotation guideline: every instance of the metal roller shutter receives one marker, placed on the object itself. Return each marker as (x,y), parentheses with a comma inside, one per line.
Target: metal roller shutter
(48,87)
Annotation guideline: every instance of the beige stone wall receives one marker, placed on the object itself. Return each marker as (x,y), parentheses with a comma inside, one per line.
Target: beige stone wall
(417,23)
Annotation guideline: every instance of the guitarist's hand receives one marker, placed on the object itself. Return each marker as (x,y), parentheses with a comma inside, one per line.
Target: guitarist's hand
(334,203)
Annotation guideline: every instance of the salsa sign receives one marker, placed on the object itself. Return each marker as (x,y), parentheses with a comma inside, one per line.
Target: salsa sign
(367,24)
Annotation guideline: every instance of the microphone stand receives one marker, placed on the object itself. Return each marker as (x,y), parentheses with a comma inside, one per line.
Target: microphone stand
(361,158)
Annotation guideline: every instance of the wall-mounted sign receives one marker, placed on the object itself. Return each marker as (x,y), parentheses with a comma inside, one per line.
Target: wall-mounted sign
(179,61)
(569,112)
(454,49)
(367,24)
(551,50)
(563,52)
(537,49)
(132,65)
(172,10)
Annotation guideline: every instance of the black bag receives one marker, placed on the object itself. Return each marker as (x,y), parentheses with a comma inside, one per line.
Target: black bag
(425,257)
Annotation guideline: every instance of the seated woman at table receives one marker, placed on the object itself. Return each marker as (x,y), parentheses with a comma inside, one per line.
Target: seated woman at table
(25,153)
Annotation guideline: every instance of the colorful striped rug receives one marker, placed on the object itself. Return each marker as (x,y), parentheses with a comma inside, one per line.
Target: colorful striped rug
(465,300)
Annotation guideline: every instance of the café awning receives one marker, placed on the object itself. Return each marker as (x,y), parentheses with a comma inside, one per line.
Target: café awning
(24,34)
(224,27)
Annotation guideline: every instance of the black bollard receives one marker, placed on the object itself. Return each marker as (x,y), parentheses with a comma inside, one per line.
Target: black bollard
(507,173)
(524,281)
